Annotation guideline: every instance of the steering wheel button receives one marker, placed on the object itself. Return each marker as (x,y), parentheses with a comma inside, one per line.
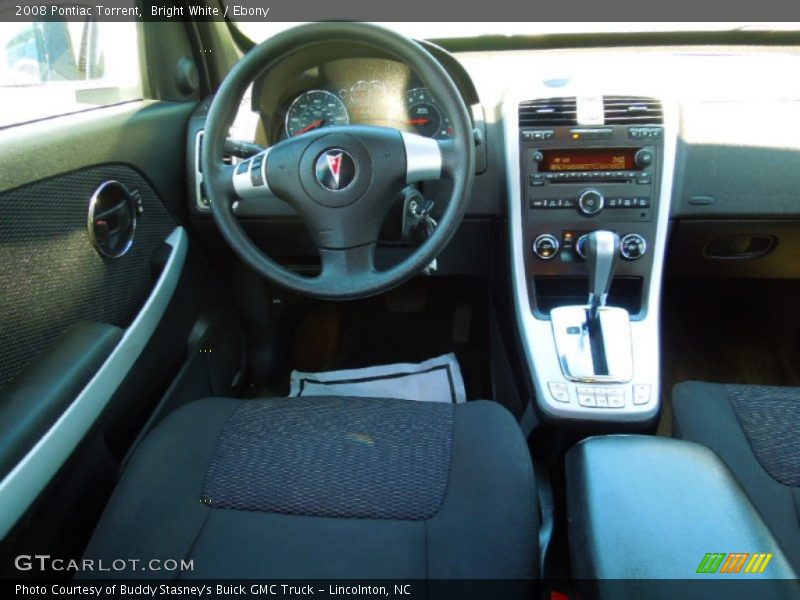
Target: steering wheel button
(256,178)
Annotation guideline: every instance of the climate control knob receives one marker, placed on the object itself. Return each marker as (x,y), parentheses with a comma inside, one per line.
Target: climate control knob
(546,246)
(632,246)
(590,202)
(580,245)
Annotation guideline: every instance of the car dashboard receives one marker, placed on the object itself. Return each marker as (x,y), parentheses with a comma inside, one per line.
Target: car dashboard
(736,146)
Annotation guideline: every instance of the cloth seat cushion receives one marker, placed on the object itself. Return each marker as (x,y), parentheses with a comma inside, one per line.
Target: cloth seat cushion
(202,487)
(755,430)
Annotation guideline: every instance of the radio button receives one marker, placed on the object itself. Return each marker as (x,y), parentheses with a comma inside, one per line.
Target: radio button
(536,180)
(644,157)
(537,203)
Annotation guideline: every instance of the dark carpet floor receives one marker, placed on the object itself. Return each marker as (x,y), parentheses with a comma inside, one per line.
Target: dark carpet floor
(730,331)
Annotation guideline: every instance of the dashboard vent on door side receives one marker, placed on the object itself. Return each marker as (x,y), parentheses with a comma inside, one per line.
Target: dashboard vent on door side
(632,110)
(111,222)
(548,111)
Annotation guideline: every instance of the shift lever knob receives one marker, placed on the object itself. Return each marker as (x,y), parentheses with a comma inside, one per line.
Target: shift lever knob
(602,250)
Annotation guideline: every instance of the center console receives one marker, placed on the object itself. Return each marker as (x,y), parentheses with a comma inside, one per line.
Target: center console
(589,180)
(654,508)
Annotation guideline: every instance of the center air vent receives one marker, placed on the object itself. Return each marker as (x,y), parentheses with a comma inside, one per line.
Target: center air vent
(632,110)
(548,111)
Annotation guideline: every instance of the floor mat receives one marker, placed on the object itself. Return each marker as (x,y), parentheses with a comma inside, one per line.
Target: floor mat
(435,380)
(423,318)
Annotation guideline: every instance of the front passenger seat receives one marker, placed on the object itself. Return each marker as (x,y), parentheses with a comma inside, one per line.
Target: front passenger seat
(755,430)
(318,488)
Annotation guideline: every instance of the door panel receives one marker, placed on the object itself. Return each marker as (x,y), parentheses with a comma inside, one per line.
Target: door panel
(51,277)
(146,135)
(52,280)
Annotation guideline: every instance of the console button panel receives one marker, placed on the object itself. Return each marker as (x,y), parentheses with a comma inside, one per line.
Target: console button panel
(600,395)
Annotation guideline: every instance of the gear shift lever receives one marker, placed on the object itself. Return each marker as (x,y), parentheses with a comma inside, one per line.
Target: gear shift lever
(602,250)
(593,342)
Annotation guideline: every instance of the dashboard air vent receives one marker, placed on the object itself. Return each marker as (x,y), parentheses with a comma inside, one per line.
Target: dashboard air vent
(548,111)
(632,110)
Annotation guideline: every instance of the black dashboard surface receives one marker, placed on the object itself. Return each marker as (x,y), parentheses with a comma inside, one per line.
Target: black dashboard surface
(736,167)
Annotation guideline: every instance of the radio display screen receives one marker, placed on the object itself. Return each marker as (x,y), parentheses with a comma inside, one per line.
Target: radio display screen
(589,159)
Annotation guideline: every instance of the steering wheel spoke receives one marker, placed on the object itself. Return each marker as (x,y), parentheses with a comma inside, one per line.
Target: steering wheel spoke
(341,265)
(424,158)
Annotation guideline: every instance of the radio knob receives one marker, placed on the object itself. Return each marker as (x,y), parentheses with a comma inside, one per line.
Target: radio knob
(591,202)
(644,157)
(546,246)
(632,246)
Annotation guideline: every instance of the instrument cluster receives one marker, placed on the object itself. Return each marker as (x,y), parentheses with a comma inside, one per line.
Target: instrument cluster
(365,102)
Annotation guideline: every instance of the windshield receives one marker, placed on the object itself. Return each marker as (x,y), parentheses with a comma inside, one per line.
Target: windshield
(261,30)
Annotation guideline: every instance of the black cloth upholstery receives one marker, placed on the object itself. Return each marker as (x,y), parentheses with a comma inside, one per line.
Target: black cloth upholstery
(486,526)
(735,422)
(334,457)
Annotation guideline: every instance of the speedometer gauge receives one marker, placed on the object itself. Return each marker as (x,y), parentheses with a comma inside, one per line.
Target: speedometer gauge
(426,116)
(314,109)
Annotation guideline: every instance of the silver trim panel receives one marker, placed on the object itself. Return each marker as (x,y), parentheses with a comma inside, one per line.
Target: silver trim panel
(32,474)
(537,334)
(423,158)
(198,174)
(575,350)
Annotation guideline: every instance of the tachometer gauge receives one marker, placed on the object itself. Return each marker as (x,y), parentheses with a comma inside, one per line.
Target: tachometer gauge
(314,109)
(425,116)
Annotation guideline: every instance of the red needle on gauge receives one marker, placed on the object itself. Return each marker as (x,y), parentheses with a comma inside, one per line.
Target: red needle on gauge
(310,126)
(418,121)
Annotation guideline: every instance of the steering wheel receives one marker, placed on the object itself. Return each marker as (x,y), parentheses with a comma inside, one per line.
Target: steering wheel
(340,180)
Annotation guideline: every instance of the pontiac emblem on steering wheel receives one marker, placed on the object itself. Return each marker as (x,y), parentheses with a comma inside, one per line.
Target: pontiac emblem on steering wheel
(335,169)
